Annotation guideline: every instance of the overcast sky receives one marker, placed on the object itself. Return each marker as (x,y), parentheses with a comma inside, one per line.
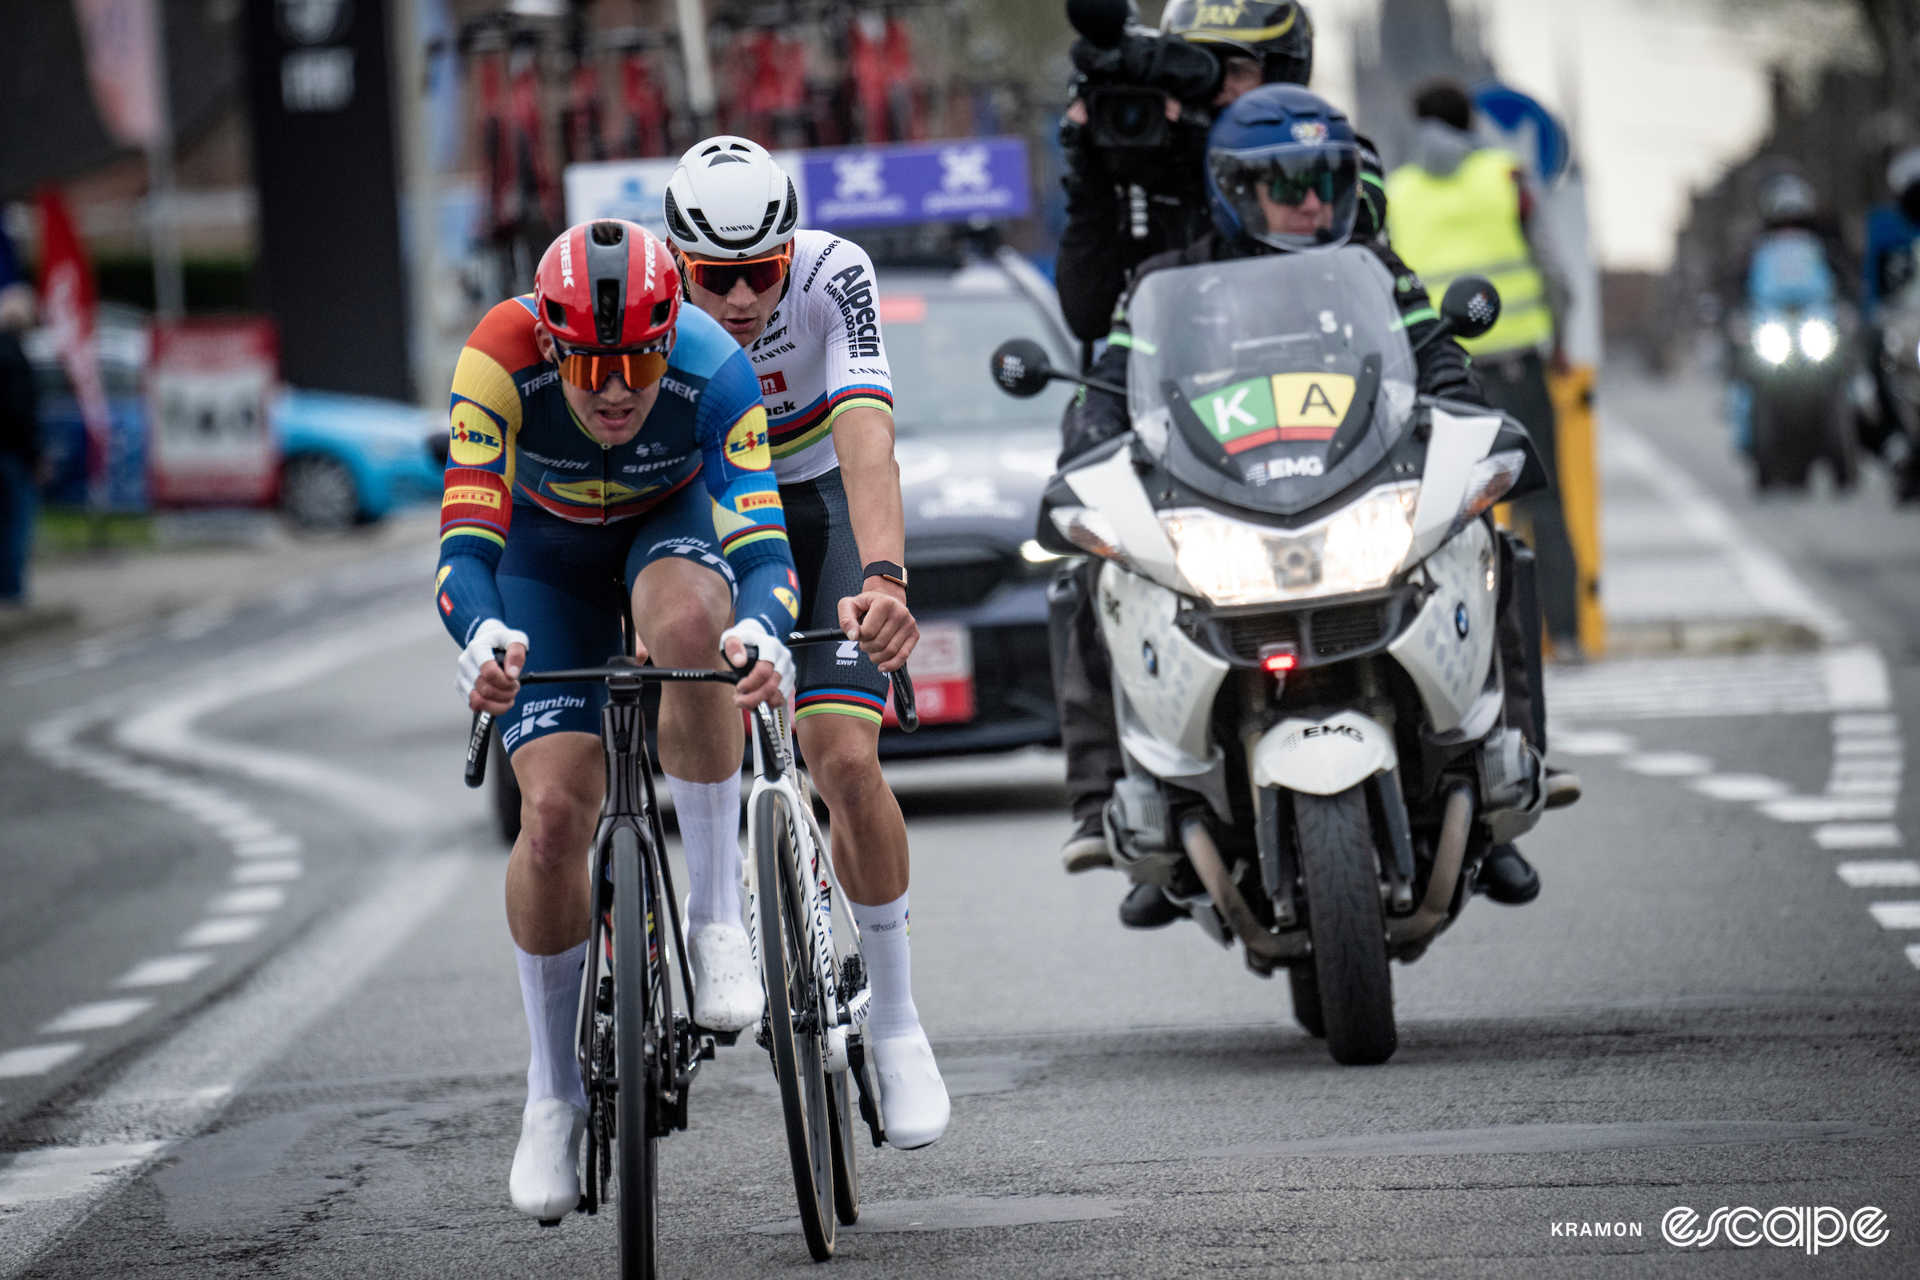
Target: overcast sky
(1668,91)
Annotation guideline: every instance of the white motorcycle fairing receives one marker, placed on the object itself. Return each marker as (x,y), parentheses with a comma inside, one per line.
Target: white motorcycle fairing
(1449,646)
(1169,681)
(1323,757)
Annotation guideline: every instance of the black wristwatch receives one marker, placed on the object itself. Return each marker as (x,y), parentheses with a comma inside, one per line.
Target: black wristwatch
(894,573)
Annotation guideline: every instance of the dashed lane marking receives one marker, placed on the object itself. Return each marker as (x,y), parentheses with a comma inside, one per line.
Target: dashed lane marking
(220,932)
(1886,873)
(162,971)
(1742,787)
(37,1059)
(1668,764)
(1826,809)
(56,1173)
(96,1016)
(266,872)
(249,901)
(1896,915)
(1857,835)
(1597,742)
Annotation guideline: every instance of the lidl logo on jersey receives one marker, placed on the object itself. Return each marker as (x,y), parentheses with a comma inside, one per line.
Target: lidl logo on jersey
(476,438)
(747,442)
(441,580)
(788,600)
(773,384)
(590,493)
(1286,406)
(755,501)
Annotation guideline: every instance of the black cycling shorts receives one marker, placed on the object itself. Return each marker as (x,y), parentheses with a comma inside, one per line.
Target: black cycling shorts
(830,678)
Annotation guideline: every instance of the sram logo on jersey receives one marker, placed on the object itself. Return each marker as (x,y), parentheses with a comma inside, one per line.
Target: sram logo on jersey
(854,292)
(747,442)
(475,438)
(773,384)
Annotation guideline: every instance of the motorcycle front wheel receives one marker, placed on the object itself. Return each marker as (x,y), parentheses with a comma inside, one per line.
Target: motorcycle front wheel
(1342,873)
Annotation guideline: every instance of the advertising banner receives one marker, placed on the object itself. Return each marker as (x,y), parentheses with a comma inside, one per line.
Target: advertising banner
(878,186)
(209,388)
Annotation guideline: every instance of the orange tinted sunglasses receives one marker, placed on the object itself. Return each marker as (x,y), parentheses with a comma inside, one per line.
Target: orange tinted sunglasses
(589,370)
(761,274)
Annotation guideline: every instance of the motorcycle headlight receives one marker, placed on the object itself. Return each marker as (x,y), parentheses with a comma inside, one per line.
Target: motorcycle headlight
(1772,342)
(1231,562)
(1818,339)
(1488,482)
(1092,532)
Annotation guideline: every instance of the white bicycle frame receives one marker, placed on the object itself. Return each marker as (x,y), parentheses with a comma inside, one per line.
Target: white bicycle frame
(832,933)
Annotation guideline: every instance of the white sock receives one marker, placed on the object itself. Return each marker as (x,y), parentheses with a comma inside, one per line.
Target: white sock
(883,945)
(709,816)
(550,989)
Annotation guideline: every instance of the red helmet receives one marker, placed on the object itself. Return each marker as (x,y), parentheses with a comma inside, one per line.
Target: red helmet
(608,284)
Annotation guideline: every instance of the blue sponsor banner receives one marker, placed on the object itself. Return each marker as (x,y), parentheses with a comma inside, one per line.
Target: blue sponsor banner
(902,184)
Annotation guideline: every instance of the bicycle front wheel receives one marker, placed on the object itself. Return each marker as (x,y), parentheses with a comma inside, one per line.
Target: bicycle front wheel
(794,1019)
(637,1048)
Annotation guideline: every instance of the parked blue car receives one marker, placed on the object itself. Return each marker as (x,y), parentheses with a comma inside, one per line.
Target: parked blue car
(344,459)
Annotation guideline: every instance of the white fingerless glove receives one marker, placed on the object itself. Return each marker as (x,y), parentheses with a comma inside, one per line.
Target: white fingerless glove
(488,636)
(752,634)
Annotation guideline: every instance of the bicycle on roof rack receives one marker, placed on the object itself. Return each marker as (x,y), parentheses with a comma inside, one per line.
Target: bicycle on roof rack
(637,1055)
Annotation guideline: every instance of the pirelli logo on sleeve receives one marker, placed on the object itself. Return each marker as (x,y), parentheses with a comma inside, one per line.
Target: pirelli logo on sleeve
(472,495)
(747,443)
(755,501)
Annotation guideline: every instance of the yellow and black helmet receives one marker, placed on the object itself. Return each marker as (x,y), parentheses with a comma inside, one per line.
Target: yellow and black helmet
(1277,32)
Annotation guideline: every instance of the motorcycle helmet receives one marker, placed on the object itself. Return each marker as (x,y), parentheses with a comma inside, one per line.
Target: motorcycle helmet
(1785,198)
(1903,175)
(729,200)
(1283,169)
(1277,33)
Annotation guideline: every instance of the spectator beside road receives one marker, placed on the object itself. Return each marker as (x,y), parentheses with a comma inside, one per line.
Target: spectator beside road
(19,444)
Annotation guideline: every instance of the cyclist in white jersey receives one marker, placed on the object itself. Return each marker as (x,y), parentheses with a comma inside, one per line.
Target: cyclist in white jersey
(803,304)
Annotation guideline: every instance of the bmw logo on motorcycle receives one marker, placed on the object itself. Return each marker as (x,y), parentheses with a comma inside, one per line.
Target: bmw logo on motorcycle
(1460,620)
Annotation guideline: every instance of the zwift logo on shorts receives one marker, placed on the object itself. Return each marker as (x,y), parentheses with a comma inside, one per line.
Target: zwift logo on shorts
(1809,1227)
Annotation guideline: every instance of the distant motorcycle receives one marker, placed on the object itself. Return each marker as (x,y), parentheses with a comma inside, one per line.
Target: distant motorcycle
(1299,595)
(1899,377)
(1793,357)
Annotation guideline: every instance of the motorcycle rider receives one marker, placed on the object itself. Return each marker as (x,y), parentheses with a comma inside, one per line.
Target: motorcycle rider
(1893,237)
(1257,41)
(1283,176)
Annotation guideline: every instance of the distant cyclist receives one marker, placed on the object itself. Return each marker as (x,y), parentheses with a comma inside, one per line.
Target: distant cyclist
(804,305)
(601,436)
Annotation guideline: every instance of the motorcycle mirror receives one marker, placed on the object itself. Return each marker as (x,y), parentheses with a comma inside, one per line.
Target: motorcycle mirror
(1020,367)
(1471,307)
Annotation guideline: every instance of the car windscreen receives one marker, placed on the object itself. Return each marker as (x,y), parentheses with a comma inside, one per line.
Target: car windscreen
(939,341)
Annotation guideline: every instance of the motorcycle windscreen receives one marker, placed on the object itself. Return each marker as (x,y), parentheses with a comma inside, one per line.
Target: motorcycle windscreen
(1271,383)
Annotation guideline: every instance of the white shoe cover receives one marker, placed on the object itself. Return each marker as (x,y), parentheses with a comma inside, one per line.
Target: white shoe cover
(545,1182)
(913,1098)
(726,990)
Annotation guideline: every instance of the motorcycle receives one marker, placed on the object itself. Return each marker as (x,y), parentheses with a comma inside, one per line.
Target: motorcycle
(1792,357)
(1299,595)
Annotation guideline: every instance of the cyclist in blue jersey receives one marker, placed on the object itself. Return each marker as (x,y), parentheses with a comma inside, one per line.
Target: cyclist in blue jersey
(601,438)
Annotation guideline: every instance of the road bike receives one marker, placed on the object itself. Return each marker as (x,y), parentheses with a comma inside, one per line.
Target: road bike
(636,945)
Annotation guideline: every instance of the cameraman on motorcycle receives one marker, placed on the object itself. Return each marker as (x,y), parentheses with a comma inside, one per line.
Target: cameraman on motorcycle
(1283,176)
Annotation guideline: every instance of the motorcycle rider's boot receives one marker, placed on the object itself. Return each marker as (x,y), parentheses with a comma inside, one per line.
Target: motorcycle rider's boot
(1563,788)
(1146,907)
(1508,878)
(1086,849)
(545,1182)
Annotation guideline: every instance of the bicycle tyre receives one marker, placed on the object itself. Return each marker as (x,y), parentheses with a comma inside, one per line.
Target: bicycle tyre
(846,1167)
(637,1149)
(798,1062)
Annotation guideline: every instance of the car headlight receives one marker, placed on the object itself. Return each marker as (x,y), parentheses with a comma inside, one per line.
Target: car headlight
(1358,548)
(1772,342)
(1818,339)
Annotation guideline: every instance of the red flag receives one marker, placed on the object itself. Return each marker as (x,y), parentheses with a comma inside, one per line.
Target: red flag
(67,303)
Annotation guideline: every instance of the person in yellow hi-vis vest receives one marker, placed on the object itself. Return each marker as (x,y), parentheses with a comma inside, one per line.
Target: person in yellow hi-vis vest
(1460,207)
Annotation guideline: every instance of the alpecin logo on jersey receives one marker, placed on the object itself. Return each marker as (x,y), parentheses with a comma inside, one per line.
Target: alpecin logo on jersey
(854,293)
(773,384)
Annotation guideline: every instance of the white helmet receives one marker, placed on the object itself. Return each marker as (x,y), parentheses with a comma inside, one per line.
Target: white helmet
(728,199)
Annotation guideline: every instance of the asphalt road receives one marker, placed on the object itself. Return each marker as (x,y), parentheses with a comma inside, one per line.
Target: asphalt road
(258,1012)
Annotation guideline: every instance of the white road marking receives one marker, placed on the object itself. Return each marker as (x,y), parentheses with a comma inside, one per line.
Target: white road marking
(163,971)
(1591,743)
(247,901)
(1868,767)
(1864,787)
(1867,747)
(1886,873)
(271,847)
(178,1089)
(1745,787)
(54,1173)
(1913,954)
(1856,678)
(96,1016)
(1896,915)
(1874,726)
(1826,809)
(37,1059)
(217,933)
(246,829)
(1867,835)
(1667,764)
(266,872)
